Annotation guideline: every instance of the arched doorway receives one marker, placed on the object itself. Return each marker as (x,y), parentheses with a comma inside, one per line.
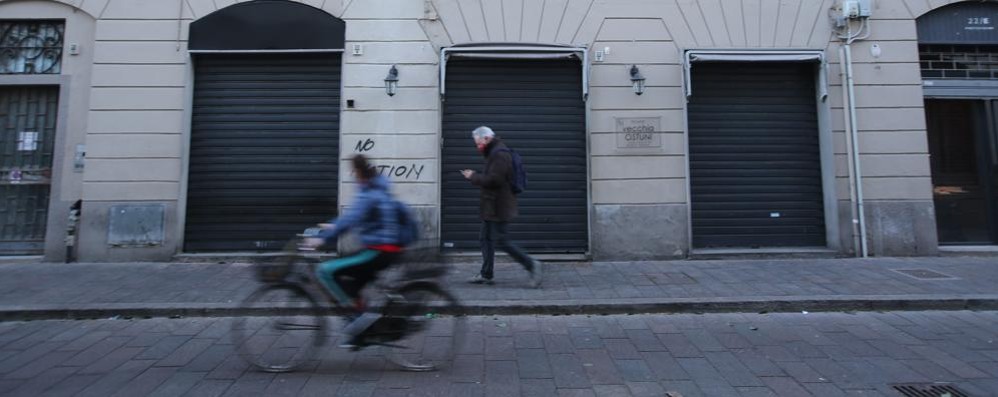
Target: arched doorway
(264,153)
(958,47)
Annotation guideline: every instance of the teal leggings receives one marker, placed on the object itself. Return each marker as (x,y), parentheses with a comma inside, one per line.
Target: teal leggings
(346,277)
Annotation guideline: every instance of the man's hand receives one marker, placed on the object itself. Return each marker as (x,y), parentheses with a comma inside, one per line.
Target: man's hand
(467,173)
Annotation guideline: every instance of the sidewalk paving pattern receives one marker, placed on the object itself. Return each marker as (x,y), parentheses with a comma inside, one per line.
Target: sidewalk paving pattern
(716,355)
(620,287)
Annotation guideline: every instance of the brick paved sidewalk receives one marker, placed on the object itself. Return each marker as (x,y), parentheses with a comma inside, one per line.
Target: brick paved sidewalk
(690,286)
(785,354)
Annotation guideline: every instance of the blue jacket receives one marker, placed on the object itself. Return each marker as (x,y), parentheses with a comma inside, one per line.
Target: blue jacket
(373,213)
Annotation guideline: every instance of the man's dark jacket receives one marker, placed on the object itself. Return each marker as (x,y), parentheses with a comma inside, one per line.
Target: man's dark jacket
(498,203)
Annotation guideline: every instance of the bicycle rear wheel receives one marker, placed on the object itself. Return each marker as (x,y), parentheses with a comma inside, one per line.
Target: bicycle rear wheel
(433,329)
(286,339)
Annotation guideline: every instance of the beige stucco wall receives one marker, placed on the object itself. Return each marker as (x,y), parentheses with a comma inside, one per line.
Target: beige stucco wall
(137,109)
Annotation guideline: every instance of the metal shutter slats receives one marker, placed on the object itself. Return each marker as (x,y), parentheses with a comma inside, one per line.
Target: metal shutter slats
(264,149)
(754,156)
(537,109)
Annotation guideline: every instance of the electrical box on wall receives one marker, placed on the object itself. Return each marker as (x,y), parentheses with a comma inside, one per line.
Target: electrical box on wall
(865,8)
(854,9)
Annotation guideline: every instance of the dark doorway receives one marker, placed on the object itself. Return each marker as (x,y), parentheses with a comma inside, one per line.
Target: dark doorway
(28,117)
(963,179)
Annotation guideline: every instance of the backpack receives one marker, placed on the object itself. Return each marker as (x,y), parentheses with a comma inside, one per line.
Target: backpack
(406,221)
(518,181)
(408,227)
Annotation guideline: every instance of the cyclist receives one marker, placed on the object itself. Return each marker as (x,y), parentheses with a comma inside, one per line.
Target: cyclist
(373,214)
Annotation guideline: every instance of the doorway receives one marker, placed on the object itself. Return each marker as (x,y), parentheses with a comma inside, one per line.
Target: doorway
(962,150)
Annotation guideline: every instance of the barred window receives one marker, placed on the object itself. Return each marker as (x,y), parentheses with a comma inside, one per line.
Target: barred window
(31,47)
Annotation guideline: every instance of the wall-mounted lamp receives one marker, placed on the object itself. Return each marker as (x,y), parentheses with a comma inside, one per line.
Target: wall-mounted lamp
(392,81)
(637,80)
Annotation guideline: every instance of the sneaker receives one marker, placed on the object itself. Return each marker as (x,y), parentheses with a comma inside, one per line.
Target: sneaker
(537,274)
(478,279)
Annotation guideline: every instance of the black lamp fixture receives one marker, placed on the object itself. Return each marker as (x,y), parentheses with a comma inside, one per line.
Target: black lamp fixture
(637,80)
(392,81)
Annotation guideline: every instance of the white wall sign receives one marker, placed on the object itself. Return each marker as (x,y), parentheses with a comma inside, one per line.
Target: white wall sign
(639,132)
(27,141)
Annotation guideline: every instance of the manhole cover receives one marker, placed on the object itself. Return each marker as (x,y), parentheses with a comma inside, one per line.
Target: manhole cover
(929,390)
(924,274)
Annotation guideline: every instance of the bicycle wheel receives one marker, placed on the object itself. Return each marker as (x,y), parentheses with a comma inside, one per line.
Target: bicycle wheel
(281,342)
(424,328)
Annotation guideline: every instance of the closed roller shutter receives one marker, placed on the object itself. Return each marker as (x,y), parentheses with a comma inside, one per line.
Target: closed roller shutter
(536,107)
(754,156)
(264,149)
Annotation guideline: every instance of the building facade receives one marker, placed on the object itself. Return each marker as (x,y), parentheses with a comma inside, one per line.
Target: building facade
(650,129)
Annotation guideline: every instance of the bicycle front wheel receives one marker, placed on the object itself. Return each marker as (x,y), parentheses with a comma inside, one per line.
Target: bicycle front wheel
(287,338)
(433,327)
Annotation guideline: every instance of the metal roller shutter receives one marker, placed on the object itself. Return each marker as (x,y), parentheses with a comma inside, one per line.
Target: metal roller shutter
(754,156)
(264,155)
(536,107)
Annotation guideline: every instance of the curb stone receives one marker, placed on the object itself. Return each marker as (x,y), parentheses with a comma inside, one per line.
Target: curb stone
(567,307)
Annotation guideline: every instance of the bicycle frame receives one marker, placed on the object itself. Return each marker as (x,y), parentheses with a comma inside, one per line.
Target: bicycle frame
(383,285)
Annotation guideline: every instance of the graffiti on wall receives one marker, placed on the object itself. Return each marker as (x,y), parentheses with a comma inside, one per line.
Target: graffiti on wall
(405,171)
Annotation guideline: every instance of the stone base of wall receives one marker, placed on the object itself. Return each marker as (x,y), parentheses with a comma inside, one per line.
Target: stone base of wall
(94,230)
(640,232)
(893,228)
(901,228)
(55,230)
(846,233)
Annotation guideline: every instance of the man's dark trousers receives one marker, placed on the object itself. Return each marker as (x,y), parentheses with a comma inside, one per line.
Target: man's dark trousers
(494,234)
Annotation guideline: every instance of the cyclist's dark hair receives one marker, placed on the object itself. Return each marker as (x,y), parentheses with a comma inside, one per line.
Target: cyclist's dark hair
(362,168)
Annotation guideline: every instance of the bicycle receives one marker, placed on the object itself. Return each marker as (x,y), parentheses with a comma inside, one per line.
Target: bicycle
(412,326)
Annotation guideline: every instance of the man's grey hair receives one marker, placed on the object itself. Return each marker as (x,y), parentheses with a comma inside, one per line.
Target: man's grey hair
(483,132)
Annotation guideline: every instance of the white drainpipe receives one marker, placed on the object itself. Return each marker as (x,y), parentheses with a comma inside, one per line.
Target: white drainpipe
(852,137)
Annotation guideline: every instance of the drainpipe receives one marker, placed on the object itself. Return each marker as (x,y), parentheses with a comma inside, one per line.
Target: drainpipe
(852,137)
(852,179)
(180,24)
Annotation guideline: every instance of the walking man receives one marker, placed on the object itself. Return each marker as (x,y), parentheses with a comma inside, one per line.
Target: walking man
(497,207)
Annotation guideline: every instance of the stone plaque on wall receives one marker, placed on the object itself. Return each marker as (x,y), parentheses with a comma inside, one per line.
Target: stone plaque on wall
(639,132)
(140,225)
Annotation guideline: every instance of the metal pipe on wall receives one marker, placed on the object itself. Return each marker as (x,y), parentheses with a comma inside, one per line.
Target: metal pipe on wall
(852,135)
(180,24)
(849,149)
(854,146)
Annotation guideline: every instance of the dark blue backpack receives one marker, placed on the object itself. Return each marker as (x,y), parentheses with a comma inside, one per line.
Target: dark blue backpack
(518,181)
(408,227)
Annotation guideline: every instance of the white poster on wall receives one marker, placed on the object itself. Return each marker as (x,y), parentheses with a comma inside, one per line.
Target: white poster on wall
(27,141)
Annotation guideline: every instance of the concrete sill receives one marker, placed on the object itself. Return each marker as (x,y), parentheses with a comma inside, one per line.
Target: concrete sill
(21,259)
(230,257)
(968,250)
(466,256)
(764,253)
(452,257)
